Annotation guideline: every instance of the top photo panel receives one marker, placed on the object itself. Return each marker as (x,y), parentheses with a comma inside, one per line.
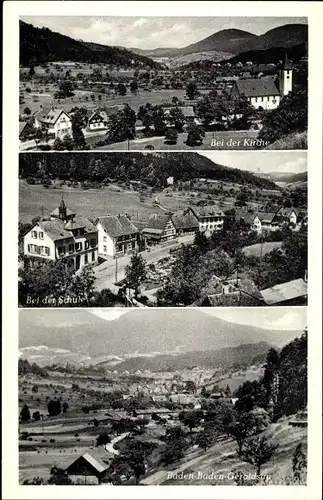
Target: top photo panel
(163,83)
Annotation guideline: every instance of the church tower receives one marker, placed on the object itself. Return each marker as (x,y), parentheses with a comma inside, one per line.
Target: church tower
(286,77)
(62,210)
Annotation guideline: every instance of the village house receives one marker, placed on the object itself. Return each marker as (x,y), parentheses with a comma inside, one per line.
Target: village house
(65,235)
(264,93)
(87,469)
(231,292)
(188,112)
(55,121)
(287,216)
(26,130)
(117,235)
(209,218)
(185,221)
(159,228)
(97,120)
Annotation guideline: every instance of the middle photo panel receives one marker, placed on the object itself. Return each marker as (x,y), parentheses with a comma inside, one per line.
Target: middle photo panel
(157,229)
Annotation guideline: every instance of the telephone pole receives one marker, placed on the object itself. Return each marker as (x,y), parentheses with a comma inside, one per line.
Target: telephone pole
(116,269)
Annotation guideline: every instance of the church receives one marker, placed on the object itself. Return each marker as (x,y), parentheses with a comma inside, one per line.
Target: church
(266,92)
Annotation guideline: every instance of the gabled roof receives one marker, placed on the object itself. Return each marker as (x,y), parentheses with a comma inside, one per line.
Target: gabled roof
(157,221)
(207,211)
(50,115)
(116,225)
(260,87)
(266,216)
(286,212)
(185,219)
(285,291)
(94,461)
(58,229)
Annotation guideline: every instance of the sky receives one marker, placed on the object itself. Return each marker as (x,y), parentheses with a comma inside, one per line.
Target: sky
(264,162)
(153,32)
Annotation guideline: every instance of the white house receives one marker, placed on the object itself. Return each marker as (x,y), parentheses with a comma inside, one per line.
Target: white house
(65,235)
(209,218)
(264,93)
(54,121)
(159,228)
(117,235)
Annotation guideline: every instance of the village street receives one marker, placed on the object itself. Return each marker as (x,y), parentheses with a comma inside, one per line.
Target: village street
(110,446)
(105,273)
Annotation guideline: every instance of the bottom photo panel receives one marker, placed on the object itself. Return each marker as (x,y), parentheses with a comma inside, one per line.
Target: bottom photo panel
(207,396)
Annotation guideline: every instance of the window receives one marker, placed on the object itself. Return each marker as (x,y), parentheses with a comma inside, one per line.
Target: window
(105,249)
(61,250)
(34,234)
(93,256)
(78,247)
(93,243)
(46,250)
(87,244)
(86,260)
(71,248)
(41,235)
(105,239)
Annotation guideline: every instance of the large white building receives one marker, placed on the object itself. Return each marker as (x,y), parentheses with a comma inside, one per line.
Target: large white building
(116,235)
(265,93)
(65,235)
(210,218)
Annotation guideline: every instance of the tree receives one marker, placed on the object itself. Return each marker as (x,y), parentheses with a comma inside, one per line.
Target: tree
(103,439)
(31,71)
(173,452)
(67,143)
(54,407)
(78,122)
(25,413)
(258,451)
(136,272)
(59,477)
(240,430)
(290,116)
(142,422)
(122,125)
(65,90)
(158,120)
(191,419)
(207,111)
(134,86)
(27,111)
(191,386)
(191,90)
(195,135)
(121,89)
(39,136)
(36,416)
(65,407)
(176,118)
(299,464)
(171,136)
(205,439)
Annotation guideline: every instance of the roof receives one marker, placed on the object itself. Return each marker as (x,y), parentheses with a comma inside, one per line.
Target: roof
(266,216)
(213,292)
(157,221)
(247,217)
(285,212)
(285,291)
(117,225)
(185,220)
(207,211)
(95,462)
(260,87)
(50,115)
(58,229)
(188,111)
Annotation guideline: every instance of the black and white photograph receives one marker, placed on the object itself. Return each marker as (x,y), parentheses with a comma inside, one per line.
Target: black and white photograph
(134,83)
(126,397)
(147,229)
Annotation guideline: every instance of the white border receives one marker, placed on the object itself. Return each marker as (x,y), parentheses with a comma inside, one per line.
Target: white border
(12,11)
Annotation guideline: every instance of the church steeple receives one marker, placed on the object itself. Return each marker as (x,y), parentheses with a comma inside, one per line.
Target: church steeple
(286,77)
(62,210)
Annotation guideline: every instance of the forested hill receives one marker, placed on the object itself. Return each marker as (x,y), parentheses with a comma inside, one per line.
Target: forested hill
(41,45)
(149,168)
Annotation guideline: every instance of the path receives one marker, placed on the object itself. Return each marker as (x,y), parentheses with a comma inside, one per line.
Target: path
(110,446)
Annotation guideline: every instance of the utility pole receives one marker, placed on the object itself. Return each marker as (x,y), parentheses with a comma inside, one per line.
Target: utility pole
(116,268)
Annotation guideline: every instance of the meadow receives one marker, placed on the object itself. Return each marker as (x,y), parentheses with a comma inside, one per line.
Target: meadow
(92,202)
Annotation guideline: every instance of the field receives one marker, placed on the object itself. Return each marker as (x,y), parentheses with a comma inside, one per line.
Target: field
(43,95)
(224,141)
(92,203)
(256,250)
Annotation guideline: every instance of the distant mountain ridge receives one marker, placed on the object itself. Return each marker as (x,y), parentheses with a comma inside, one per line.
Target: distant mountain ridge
(43,45)
(237,41)
(288,177)
(153,331)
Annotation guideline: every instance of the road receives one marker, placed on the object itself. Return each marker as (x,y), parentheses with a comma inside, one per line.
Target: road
(110,446)
(105,273)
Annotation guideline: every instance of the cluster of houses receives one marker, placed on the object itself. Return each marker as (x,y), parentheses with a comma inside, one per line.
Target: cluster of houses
(67,234)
